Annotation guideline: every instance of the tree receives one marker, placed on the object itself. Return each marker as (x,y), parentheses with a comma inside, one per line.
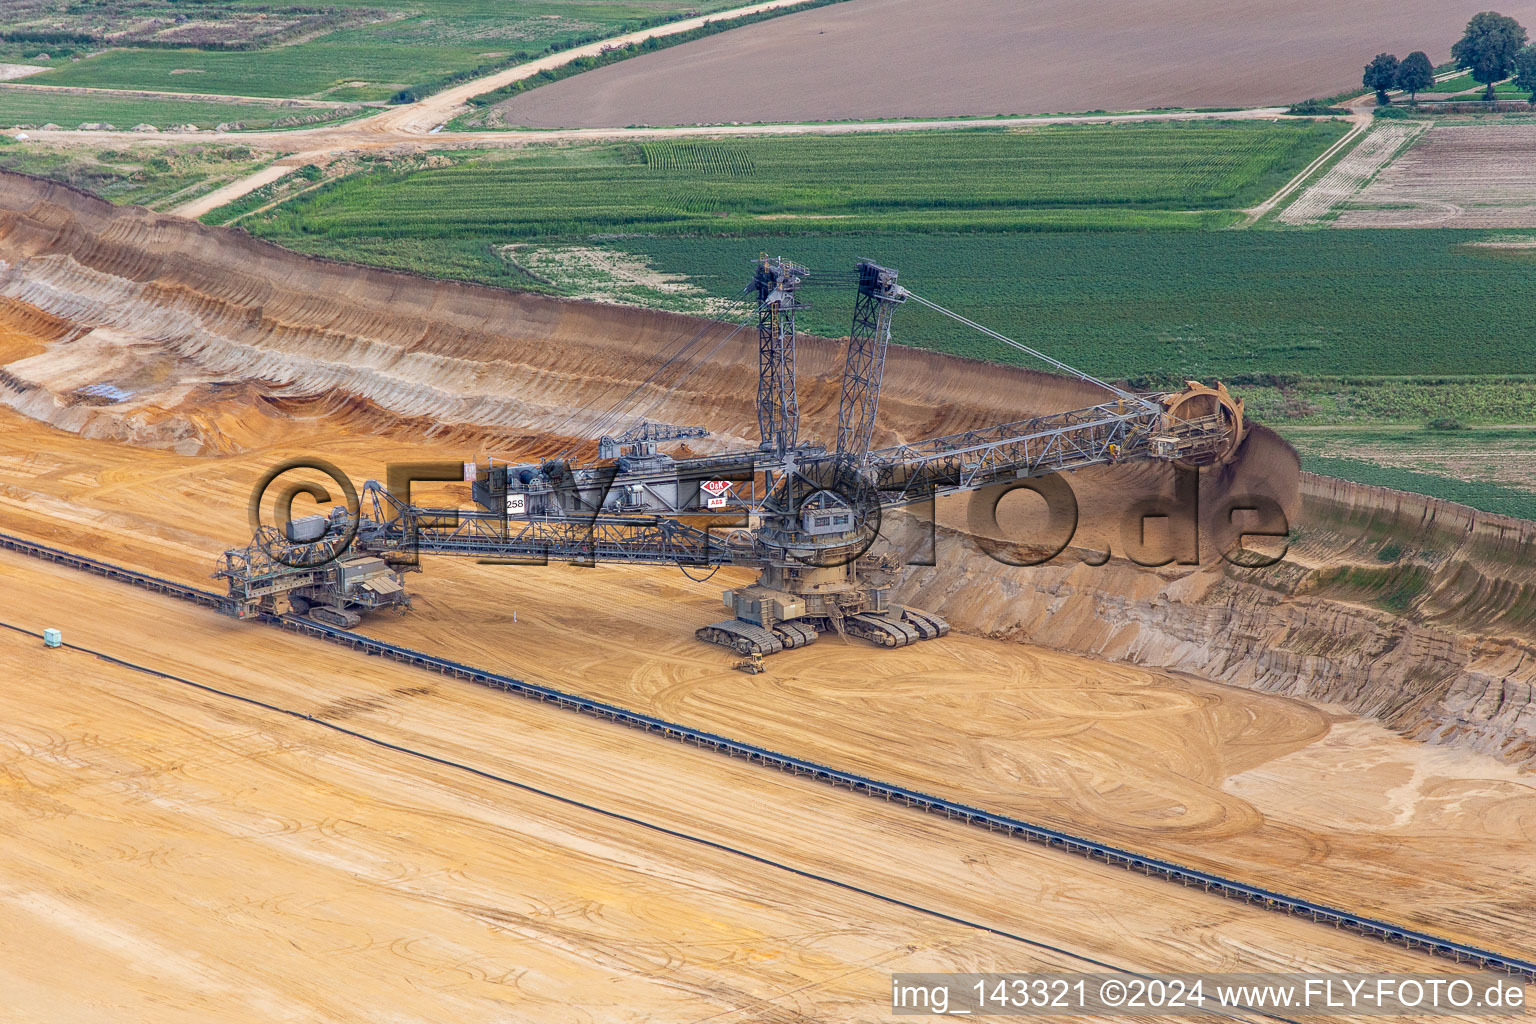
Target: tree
(1415,73)
(1381,75)
(1525,70)
(1488,48)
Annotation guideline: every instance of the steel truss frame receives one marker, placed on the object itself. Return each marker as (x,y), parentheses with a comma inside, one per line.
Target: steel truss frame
(392,529)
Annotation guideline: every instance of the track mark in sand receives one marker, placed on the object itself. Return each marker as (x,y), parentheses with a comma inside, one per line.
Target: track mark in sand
(1351,174)
(642,823)
(1248,893)
(76,918)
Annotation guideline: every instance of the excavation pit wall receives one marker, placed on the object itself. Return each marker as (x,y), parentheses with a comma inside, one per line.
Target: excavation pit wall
(148,329)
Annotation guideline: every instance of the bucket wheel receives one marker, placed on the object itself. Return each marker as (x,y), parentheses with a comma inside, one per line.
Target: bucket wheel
(1198,402)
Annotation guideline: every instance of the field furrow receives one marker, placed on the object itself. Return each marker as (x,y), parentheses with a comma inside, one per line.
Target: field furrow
(1471,176)
(1350,174)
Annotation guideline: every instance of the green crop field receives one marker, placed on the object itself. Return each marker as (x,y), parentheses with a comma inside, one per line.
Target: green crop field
(372,62)
(1302,324)
(1461,83)
(1203,303)
(983,179)
(1503,456)
(1504,91)
(1465,87)
(962,212)
(1353,327)
(319,68)
(1161,304)
(1308,320)
(69,110)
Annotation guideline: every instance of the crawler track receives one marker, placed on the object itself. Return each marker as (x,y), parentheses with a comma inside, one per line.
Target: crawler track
(1268,899)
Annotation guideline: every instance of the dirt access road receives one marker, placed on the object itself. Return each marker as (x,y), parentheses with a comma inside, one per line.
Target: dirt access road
(417,126)
(405,120)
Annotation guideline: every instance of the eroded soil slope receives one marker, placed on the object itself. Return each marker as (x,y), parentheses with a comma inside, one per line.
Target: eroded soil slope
(154,330)
(154,368)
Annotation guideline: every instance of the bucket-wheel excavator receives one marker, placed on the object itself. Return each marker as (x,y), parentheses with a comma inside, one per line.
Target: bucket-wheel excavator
(801,513)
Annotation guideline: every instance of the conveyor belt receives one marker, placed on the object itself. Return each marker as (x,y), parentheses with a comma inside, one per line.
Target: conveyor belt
(1405,937)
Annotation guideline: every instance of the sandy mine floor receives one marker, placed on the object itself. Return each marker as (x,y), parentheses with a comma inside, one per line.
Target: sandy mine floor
(319,876)
(1236,781)
(169,854)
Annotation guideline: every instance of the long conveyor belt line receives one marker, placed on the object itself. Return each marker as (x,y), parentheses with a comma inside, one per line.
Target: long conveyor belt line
(1268,899)
(1224,1011)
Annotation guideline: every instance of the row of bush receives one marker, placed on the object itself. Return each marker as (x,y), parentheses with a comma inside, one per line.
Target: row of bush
(1462,107)
(1315,108)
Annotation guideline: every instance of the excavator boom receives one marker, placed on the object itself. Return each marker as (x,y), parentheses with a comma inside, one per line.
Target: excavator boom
(803,515)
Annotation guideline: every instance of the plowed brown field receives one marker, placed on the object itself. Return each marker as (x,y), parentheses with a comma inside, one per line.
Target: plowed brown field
(1453,176)
(899,58)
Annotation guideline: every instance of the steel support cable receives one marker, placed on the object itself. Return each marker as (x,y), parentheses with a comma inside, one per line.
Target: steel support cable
(681,349)
(830,278)
(989,332)
(697,364)
(604,425)
(599,426)
(611,417)
(620,816)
